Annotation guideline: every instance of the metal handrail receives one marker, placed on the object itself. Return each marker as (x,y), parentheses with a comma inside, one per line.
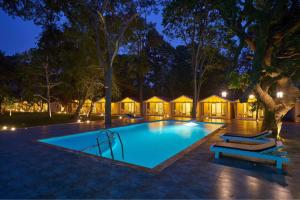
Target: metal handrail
(110,135)
(120,140)
(111,151)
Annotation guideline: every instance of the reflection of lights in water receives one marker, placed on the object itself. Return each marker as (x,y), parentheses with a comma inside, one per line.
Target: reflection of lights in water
(185,133)
(156,126)
(191,124)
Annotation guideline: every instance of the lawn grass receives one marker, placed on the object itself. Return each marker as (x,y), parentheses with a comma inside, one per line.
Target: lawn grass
(28,119)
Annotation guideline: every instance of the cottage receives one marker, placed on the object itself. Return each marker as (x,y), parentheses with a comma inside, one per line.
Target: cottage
(99,107)
(216,107)
(157,106)
(182,106)
(129,106)
(248,110)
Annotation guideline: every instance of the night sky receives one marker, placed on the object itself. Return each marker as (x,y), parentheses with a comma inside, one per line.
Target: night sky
(17,35)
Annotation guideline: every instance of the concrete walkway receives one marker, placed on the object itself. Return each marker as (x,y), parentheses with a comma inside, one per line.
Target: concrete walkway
(29,169)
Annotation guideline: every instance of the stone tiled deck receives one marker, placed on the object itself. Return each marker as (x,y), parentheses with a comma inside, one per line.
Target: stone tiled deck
(29,169)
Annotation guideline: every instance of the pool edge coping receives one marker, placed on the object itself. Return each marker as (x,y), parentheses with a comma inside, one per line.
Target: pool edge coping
(159,168)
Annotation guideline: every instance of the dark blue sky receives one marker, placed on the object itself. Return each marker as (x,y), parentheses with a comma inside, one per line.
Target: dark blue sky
(17,35)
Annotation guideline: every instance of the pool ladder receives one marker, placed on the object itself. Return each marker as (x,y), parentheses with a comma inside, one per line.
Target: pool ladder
(110,135)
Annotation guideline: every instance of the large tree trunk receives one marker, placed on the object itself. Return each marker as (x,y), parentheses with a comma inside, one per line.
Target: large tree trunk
(48,90)
(270,122)
(78,109)
(194,109)
(141,96)
(276,109)
(108,90)
(91,108)
(1,101)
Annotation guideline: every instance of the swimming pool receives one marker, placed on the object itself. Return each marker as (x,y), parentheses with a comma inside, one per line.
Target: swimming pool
(145,144)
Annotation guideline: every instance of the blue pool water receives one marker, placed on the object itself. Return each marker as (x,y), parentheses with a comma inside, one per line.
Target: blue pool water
(145,144)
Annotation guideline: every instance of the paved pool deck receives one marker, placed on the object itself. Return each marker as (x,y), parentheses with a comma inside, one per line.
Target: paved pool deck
(29,169)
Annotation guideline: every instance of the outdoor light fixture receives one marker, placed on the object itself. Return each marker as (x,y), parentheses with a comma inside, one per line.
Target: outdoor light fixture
(78,120)
(13,129)
(4,128)
(224,94)
(120,117)
(251,96)
(88,121)
(279,94)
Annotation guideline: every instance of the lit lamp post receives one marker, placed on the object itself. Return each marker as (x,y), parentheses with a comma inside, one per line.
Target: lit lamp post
(251,96)
(224,94)
(279,94)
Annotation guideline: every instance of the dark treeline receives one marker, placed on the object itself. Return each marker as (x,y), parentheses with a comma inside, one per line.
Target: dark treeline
(69,60)
(95,48)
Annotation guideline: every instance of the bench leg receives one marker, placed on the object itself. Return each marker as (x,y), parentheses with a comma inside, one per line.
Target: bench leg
(217,155)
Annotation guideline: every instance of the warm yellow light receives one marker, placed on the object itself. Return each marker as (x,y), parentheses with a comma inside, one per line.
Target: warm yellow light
(279,94)
(191,124)
(13,129)
(4,128)
(224,94)
(102,114)
(78,120)
(168,116)
(251,96)
(88,121)
(120,117)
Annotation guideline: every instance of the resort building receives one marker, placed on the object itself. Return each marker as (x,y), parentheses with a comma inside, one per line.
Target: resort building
(57,107)
(129,106)
(24,106)
(157,106)
(248,110)
(99,107)
(182,106)
(216,107)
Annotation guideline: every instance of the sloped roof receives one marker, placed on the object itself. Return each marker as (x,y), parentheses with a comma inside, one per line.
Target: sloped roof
(161,98)
(182,96)
(225,99)
(131,98)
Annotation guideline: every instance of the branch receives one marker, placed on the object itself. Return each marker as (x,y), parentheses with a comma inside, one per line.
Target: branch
(104,5)
(40,96)
(103,22)
(288,56)
(120,36)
